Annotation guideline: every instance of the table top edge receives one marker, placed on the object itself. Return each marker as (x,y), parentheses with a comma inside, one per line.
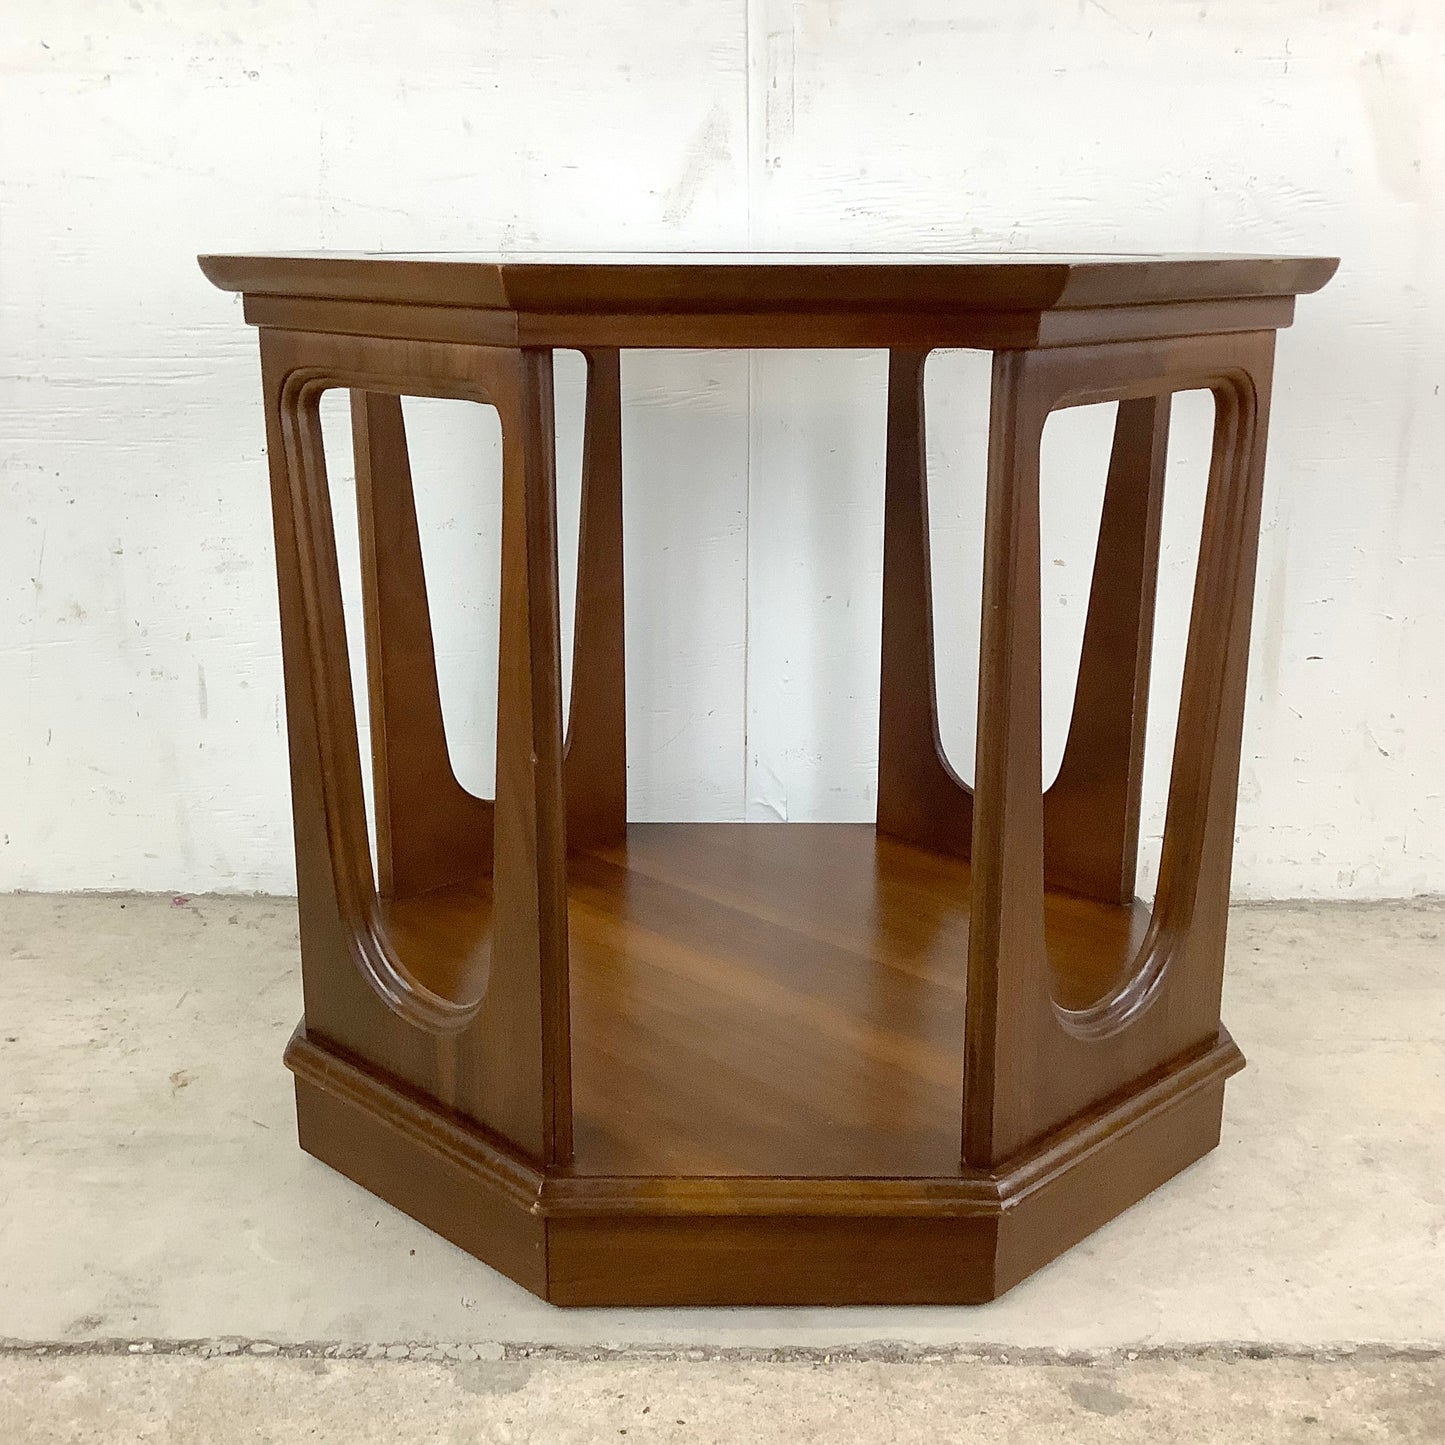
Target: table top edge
(561,281)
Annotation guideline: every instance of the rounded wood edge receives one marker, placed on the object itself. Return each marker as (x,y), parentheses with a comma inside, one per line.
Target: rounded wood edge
(465,1146)
(1190,279)
(947,1243)
(563,1196)
(1002,284)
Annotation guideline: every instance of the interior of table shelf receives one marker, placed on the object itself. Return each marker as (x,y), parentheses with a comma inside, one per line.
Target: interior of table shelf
(770,999)
(767,999)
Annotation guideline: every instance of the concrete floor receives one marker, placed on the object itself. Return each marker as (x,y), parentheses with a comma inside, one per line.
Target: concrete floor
(155,1211)
(358,1402)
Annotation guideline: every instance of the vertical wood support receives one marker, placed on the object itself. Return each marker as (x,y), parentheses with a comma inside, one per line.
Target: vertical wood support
(502,1058)
(920,798)
(1007,965)
(1030,1065)
(304,636)
(1091,813)
(1198,848)
(524,1036)
(430,831)
(595,760)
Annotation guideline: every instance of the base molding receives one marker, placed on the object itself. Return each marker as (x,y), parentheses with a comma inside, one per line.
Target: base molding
(588,1240)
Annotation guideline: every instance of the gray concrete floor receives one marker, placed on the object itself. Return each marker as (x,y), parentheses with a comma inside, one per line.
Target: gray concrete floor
(358,1402)
(158,1225)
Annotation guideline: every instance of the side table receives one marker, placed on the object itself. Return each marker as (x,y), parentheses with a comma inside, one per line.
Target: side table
(907,1061)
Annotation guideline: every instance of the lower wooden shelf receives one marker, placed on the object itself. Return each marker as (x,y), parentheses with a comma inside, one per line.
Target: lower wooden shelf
(767,1026)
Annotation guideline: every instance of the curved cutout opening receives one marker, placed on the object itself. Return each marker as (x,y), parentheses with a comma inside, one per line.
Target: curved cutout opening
(1108,946)
(956,386)
(334,420)
(451,930)
(1191,435)
(411,846)
(400,530)
(569,405)
(1073,467)
(456,468)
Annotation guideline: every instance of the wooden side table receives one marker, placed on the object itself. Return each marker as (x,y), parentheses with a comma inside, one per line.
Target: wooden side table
(742,1064)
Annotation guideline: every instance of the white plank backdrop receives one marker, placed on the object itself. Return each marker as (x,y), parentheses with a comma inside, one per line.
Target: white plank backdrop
(141,735)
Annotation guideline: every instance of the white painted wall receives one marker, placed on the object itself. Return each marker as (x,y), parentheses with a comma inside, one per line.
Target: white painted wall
(140,717)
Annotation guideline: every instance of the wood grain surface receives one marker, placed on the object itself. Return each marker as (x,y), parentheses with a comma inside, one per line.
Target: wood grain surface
(906,1060)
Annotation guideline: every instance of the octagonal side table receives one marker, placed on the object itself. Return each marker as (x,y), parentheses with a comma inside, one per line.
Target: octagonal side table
(905,1061)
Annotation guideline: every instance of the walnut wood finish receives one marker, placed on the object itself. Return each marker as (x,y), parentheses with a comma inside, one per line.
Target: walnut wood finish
(1036,1052)
(921,283)
(907,1061)
(920,797)
(595,763)
(476,1018)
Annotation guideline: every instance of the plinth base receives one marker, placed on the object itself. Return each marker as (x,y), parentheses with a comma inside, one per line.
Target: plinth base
(767,1046)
